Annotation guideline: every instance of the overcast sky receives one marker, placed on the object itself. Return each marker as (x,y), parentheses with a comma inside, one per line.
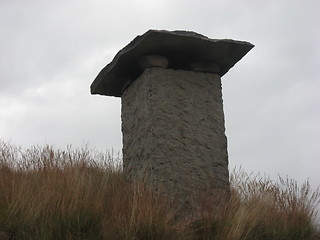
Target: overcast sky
(51,51)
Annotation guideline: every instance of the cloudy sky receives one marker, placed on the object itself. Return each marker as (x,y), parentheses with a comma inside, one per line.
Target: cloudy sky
(51,51)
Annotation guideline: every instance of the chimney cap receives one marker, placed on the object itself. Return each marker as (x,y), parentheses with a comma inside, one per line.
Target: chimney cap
(179,47)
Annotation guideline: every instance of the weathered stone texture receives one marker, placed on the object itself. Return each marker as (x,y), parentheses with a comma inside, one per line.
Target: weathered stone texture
(173,132)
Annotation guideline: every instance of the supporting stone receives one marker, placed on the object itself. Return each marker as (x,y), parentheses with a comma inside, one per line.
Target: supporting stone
(172,110)
(205,66)
(153,61)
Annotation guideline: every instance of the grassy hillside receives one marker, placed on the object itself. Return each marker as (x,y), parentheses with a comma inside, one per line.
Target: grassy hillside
(46,193)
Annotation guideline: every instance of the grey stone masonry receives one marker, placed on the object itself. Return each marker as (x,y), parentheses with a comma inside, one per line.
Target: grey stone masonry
(172,110)
(173,132)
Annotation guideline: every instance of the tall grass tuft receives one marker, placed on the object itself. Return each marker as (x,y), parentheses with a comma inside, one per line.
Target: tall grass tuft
(262,209)
(47,193)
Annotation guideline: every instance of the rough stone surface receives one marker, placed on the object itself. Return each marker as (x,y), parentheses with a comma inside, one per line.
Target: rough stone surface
(173,132)
(179,47)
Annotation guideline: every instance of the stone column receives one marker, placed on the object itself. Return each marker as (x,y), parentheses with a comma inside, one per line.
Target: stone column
(173,132)
(172,111)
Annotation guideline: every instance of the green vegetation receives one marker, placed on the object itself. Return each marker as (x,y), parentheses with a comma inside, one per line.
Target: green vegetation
(47,194)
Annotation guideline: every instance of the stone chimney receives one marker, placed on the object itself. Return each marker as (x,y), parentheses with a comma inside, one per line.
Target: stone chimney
(172,110)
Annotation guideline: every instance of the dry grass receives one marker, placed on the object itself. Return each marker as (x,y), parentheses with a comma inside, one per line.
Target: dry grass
(47,194)
(261,209)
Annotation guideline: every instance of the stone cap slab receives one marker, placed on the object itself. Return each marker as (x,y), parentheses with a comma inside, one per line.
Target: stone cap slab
(183,49)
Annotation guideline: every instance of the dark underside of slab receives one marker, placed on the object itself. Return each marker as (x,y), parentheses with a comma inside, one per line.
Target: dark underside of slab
(179,47)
